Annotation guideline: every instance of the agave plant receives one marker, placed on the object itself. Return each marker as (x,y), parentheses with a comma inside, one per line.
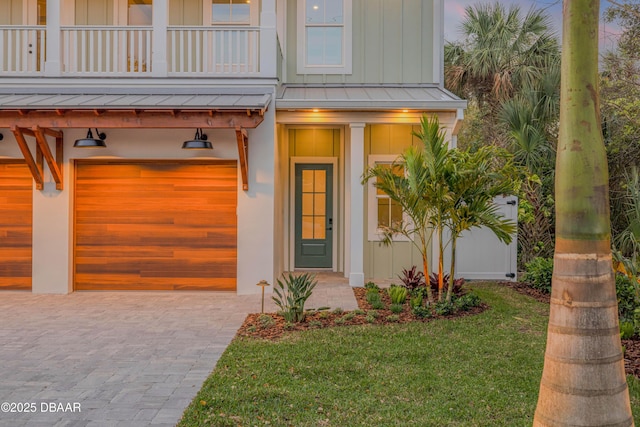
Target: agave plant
(291,294)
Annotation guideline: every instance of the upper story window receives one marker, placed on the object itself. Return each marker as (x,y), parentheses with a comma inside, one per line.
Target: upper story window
(140,12)
(324,36)
(230,11)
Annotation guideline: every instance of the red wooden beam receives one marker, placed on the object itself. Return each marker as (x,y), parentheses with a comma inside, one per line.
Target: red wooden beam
(36,170)
(243,155)
(55,165)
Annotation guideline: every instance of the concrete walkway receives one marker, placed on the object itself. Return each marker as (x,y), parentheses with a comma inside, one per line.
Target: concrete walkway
(122,358)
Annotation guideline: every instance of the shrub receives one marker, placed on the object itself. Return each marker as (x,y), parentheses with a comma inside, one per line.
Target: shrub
(393,318)
(628,298)
(412,278)
(396,308)
(370,318)
(338,310)
(324,314)
(397,294)
(370,286)
(288,325)
(372,298)
(358,311)
(421,312)
(457,284)
(291,295)
(315,324)
(444,308)
(627,330)
(467,302)
(373,314)
(266,321)
(416,301)
(349,316)
(339,320)
(538,274)
(378,305)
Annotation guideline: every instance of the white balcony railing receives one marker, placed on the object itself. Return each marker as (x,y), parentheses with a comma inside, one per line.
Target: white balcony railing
(213,50)
(106,51)
(22,50)
(127,51)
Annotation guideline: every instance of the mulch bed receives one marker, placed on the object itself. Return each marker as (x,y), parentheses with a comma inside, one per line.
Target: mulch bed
(631,347)
(261,327)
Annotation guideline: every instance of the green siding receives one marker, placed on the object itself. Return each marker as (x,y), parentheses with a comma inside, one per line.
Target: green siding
(11,12)
(380,261)
(392,43)
(94,12)
(185,12)
(314,142)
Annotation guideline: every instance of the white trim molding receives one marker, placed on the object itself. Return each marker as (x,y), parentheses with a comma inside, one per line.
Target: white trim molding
(347,42)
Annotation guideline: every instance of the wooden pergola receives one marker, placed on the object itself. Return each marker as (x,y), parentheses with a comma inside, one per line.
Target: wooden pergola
(42,123)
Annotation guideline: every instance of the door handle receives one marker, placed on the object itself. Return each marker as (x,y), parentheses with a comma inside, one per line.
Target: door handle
(330,227)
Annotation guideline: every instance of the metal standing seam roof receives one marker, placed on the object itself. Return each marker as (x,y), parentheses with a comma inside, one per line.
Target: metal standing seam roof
(379,97)
(96,99)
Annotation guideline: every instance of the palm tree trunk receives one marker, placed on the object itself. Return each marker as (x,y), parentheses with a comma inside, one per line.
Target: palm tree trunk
(425,266)
(583,381)
(453,268)
(440,265)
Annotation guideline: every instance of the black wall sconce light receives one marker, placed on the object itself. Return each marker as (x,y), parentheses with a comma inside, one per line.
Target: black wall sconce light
(90,141)
(199,142)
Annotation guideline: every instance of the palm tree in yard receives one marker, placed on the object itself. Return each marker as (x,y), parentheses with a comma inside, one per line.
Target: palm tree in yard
(502,52)
(583,381)
(414,189)
(479,177)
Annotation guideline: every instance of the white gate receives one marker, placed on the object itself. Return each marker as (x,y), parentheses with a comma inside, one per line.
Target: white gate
(481,256)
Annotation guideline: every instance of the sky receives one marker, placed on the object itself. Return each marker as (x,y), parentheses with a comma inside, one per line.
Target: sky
(454,13)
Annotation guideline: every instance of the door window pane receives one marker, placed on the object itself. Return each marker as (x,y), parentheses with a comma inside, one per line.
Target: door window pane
(318,227)
(314,203)
(307,227)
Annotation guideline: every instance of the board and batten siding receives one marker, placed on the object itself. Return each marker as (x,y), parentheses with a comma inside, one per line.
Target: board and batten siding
(392,43)
(381,261)
(11,12)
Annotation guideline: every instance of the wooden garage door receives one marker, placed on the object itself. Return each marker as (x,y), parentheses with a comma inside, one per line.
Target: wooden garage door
(161,225)
(16,216)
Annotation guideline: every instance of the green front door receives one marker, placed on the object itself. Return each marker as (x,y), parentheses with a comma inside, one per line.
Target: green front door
(314,216)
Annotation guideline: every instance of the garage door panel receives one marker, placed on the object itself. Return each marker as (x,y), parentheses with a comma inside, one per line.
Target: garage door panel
(129,283)
(168,225)
(16,216)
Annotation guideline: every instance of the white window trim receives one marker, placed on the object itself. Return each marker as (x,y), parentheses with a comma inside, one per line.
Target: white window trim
(374,233)
(347,61)
(207,17)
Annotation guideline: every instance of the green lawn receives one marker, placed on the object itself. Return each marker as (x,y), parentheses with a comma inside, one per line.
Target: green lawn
(481,370)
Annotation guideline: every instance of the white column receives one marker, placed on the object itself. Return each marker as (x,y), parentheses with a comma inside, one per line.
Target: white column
(159,38)
(355,235)
(256,210)
(268,39)
(52,234)
(52,66)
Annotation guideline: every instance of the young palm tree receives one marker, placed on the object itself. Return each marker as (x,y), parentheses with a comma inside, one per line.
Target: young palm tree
(479,178)
(583,381)
(414,190)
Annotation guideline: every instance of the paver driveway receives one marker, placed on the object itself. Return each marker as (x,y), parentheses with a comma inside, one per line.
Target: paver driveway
(126,358)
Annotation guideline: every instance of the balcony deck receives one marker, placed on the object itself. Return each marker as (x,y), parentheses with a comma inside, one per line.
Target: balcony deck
(127,51)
